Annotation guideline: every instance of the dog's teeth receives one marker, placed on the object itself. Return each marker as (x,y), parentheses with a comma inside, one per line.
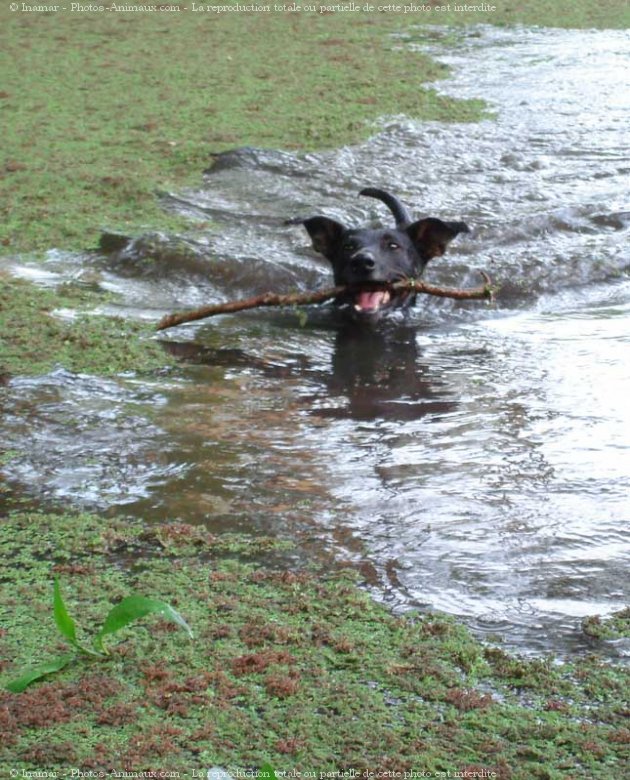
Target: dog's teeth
(370,302)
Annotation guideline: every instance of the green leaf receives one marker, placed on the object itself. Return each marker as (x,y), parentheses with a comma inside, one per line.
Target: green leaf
(54,665)
(132,608)
(268,772)
(64,622)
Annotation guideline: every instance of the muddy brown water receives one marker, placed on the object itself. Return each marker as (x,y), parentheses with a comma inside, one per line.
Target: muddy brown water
(468,458)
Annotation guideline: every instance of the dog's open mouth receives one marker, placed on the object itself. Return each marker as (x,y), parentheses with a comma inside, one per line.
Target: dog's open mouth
(371,301)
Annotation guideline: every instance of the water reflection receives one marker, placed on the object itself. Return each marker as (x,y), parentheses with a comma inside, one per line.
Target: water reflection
(377,373)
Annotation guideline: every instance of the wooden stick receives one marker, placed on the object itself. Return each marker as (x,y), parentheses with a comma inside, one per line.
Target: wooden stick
(486,292)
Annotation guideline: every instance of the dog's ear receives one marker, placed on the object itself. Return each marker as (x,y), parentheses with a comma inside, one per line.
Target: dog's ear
(326,235)
(431,236)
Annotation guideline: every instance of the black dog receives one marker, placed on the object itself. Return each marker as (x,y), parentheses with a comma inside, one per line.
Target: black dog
(368,260)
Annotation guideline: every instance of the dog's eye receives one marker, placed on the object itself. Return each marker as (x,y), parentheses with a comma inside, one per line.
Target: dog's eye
(393,245)
(347,247)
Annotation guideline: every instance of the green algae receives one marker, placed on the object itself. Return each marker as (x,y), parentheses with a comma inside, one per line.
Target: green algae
(139,104)
(616,626)
(296,668)
(35,339)
(104,110)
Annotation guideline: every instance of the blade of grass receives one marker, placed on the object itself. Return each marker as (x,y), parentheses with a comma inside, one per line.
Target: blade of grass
(37,672)
(133,608)
(65,623)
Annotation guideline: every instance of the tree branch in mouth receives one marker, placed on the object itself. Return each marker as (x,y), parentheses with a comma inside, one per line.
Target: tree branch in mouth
(366,295)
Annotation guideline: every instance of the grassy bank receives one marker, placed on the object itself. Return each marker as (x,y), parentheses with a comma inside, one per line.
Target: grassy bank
(286,667)
(36,339)
(104,109)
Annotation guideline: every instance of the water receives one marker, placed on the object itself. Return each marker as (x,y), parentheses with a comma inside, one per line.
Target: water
(471,459)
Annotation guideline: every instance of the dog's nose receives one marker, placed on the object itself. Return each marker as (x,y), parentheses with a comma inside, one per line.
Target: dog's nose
(363,261)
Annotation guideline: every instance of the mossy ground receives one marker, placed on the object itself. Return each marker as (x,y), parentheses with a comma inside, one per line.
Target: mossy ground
(102,110)
(286,667)
(35,339)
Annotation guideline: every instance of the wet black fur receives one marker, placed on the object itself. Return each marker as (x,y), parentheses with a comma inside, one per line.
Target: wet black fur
(365,257)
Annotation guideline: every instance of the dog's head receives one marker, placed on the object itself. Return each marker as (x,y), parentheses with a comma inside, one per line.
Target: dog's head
(368,260)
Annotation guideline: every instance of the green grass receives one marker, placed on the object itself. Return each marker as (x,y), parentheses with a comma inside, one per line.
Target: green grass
(35,339)
(133,105)
(102,110)
(297,668)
